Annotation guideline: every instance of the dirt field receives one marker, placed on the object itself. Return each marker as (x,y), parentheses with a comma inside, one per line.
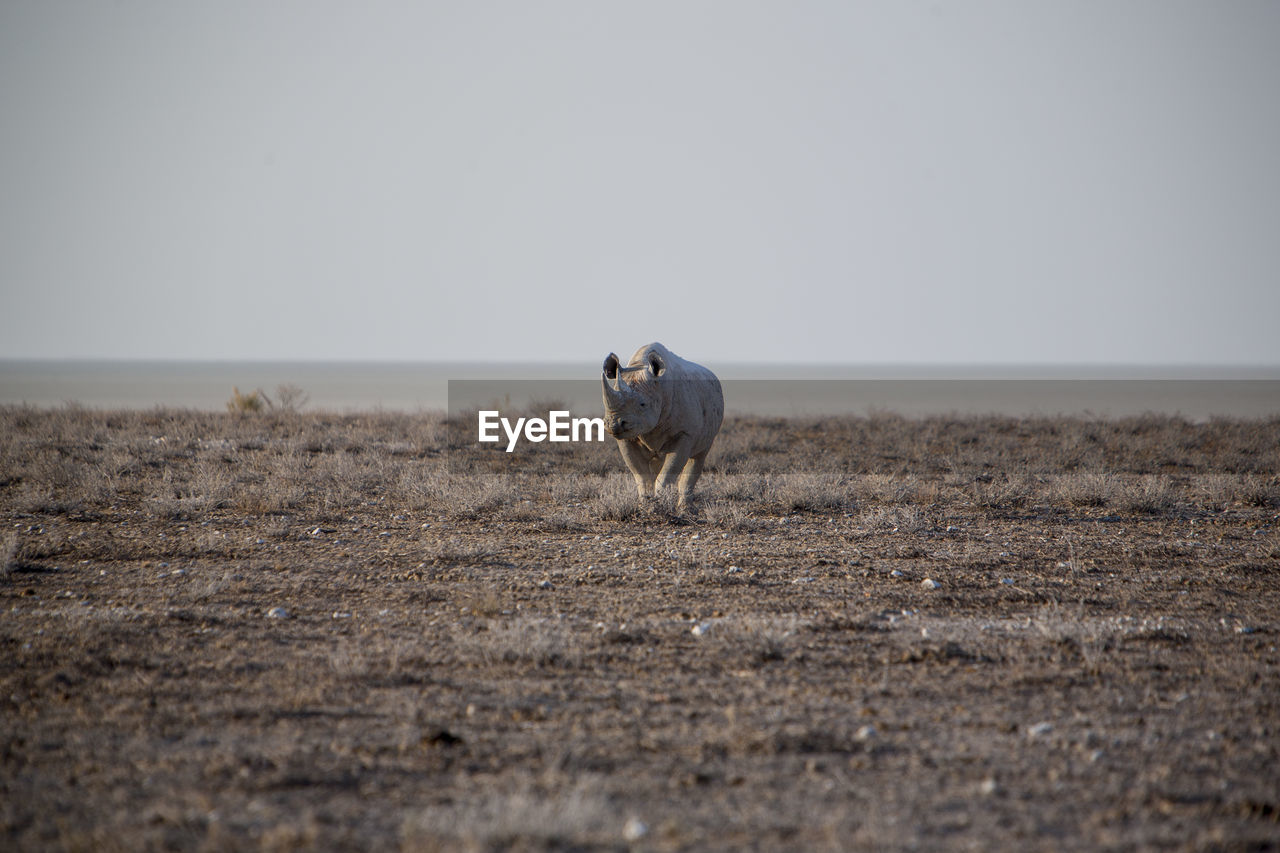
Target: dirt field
(280,631)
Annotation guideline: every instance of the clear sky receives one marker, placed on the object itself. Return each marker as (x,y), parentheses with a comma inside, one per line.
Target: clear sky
(876,182)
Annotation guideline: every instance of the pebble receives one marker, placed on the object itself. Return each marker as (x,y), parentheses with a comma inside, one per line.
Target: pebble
(895,573)
(546,585)
(866,733)
(1008,581)
(1040,729)
(701,629)
(930,583)
(278,613)
(635,829)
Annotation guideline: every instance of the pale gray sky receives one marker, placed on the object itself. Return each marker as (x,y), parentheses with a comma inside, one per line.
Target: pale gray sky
(880,182)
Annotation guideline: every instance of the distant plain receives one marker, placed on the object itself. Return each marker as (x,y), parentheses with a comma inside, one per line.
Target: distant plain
(785,390)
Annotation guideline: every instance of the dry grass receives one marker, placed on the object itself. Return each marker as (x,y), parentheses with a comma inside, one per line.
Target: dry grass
(497,651)
(186,465)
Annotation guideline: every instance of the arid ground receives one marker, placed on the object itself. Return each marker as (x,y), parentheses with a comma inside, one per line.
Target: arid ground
(283,630)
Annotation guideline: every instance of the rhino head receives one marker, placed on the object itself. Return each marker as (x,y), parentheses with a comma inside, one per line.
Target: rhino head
(632,399)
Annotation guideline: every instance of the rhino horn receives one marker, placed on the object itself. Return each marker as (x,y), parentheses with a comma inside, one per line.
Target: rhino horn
(611,379)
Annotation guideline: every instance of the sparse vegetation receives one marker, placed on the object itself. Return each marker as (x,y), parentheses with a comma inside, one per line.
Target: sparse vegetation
(481,650)
(254,401)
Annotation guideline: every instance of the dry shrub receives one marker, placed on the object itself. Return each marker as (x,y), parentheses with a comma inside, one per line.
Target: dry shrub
(809,492)
(617,499)
(907,519)
(525,639)
(579,817)
(251,403)
(8,554)
(730,515)
(458,552)
(760,637)
(1005,490)
(1082,488)
(1146,494)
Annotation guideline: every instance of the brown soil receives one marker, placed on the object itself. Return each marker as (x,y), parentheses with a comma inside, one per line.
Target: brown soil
(875,633)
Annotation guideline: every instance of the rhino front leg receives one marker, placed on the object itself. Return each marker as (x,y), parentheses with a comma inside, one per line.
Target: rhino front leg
(638,460)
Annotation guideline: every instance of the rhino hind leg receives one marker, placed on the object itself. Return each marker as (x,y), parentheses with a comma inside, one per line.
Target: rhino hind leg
(689,478)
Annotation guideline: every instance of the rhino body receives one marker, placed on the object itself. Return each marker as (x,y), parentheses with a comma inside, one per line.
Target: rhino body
(665,412)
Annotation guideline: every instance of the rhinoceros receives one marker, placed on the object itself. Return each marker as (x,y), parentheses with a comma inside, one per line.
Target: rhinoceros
(665,412)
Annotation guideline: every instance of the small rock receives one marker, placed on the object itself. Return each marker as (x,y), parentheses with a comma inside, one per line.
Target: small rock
(701,629)
(895,574)
(278,613)
(930,583)
(733,570)
(546,585)
(866,733)
(1008,581)
(635,829)
(1040,729)
(988,787)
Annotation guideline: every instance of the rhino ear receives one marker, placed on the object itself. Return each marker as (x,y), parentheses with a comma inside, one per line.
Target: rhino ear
(611,367)
(656,365)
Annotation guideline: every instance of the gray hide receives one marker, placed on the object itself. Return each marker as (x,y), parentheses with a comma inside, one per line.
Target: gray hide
(665,412)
